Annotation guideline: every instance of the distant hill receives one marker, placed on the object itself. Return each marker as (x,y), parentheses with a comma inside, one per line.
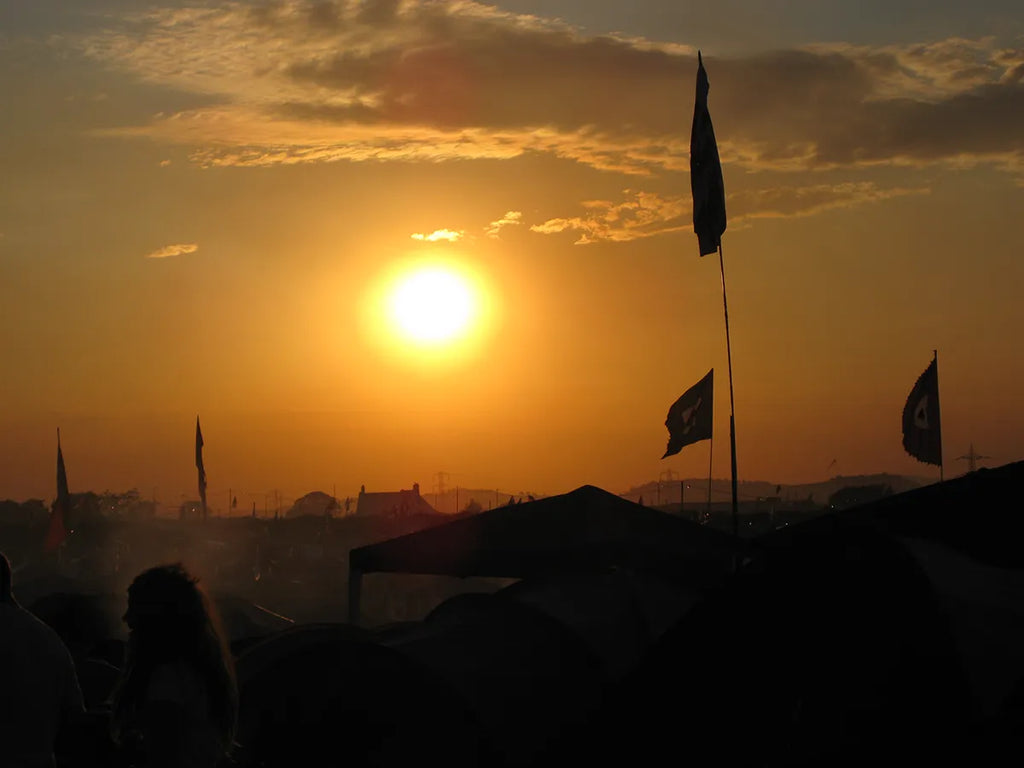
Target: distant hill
(455,499)
(654,493)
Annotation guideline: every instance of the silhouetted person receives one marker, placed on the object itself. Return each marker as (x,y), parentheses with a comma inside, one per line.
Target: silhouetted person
(176,703)
(39,691)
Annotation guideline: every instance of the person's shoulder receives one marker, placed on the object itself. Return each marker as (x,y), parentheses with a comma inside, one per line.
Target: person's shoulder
(28,631)
(22,620)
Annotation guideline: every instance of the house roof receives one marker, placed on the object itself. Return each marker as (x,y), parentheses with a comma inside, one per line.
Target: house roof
(401,502)
(585,529)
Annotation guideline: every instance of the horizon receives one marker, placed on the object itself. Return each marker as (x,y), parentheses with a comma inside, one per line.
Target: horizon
(283,501)
(371,242)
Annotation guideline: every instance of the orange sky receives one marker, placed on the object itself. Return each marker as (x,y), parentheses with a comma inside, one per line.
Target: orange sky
(198,205)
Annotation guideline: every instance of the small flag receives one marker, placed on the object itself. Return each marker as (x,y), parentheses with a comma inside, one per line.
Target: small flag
(922,427)
(56,532)
(199,466)
(706,182)
(690,417)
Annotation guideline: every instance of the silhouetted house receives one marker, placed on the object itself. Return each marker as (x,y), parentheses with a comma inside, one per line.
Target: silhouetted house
(316,503)
(393,504)
(855,495)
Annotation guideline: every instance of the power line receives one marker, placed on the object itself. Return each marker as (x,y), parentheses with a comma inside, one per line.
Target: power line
(972,458)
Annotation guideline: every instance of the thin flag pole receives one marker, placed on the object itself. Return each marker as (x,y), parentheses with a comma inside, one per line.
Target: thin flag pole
(732,402)
(935,357)
(711,455)
(709,223)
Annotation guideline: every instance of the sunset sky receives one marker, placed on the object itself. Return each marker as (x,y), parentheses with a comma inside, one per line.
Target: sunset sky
(205,207)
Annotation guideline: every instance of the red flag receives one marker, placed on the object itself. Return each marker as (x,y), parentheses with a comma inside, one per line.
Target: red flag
(199,466)
(922,427)
(56,532)
(706,182)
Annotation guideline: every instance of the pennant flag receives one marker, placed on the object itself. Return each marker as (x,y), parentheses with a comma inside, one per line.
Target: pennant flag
(706,182)
(922,428)
(56,532)
(199,466)
(690,417)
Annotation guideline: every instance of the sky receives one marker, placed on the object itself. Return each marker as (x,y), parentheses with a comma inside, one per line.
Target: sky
(205,208)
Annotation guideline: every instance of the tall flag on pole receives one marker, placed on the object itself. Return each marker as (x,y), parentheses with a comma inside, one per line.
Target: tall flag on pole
(922,427)
(706,182)
(690,417)
(56,532)
(199,466)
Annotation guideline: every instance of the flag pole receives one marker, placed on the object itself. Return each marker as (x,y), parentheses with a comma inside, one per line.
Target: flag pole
(711,455)
(935,359)
(732,402)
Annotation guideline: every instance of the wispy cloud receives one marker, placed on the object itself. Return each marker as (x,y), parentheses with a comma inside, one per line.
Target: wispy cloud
(173,250)
(511,218)
(294,82)
(645,214)
(439,236)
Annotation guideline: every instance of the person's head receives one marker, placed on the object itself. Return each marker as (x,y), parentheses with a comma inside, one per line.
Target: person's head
(6,586)
(167,610)
(170,618)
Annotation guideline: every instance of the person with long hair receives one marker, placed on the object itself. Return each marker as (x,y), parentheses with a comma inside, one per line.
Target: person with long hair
(176,702)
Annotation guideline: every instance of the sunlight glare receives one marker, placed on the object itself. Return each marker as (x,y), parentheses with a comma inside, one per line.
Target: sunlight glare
(432,305)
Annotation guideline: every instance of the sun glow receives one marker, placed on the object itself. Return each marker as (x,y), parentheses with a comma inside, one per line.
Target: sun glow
(431,310)
(432,305)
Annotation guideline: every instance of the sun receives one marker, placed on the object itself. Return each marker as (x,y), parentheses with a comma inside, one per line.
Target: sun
(432,305)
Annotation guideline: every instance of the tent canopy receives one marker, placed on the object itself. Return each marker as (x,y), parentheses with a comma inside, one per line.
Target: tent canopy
(585,529)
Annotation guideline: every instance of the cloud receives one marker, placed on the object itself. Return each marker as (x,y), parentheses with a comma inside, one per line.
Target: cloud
(794,202)
(173,250)
(511,218)
(646,214)
(439,235)
(294,82)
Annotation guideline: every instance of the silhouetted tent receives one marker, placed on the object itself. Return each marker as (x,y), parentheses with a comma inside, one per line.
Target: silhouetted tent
(316,503)
(246,622)
(891,629)
(527,677)
(619,613)
(323,694)
(586,530)
(858,495)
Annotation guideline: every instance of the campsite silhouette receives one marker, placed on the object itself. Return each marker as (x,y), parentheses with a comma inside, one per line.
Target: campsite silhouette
(580,628)
(588,627)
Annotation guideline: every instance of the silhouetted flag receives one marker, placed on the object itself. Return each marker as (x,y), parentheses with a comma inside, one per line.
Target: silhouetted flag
(56,532)
(199,466)
(690,417)
(705,171)
(922,428)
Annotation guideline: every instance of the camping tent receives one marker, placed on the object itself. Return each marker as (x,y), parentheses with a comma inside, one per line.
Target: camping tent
(326,695)
(586,530)
(527,678)
(893,628)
